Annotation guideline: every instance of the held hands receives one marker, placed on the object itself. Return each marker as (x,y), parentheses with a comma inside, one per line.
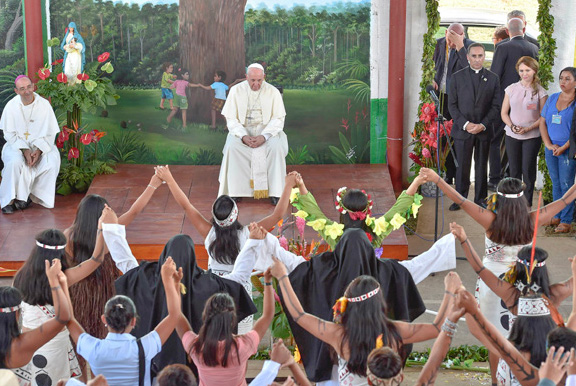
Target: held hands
(559,150)
(429,175)
(156,181)
(268,275)
(53,270)
(27,154)
(466,300)
(281,354)
(291,179)
(35,157)
(458,232)
(474,128)
(108,216)
(257,232)
(163,172)
(171,276)
(254,142)
(278,269)
(452,282)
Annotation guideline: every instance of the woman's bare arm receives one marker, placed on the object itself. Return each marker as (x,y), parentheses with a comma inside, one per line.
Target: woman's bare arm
(270,221)
(482,216)
(141,201)
(200,222)
(171,278)
(262,324)
(550,210)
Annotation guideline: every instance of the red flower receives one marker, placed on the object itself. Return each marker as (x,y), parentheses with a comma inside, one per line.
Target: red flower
(83,76)
(426,153)
(64,134)
(62,78)
(57,62)
(344,124)
(43,73)
(415,159)
(448,126)
(428,113)
(73,153)
(369,236)
(104,57)
(59,141)
(86,139)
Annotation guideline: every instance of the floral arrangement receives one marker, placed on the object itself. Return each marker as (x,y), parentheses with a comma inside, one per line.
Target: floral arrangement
(78,145)
(331,231)
(425,140)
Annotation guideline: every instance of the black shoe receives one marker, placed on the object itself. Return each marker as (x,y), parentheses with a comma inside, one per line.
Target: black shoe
(449,181)
(274,200)
(8,209)
(237,199)
(492,187)
(21,205)
(454,207)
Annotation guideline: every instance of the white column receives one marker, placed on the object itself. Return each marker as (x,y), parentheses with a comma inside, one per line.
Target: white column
(565,36)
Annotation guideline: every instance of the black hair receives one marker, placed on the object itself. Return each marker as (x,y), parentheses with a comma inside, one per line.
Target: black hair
(9,327)
(513,224)
(571,70)
(562,337)
(529,333)
(474,45)
(218,323)
(83,230)
(385,363)
(539,275)
(354,200)
(221,74)
(31,278)
(370,314)
(176,375)
(182,71)
(119,312)
(165,65)
(226,246)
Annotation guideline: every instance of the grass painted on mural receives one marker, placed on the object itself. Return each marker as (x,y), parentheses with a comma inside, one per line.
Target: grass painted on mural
(137,130)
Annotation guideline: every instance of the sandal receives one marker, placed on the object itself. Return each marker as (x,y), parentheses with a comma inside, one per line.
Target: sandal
(563,228)
(554,222)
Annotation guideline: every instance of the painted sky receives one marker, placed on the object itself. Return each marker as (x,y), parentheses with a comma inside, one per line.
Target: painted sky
(259,3)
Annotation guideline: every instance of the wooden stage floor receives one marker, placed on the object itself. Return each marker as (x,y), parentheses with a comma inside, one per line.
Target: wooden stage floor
(163,218)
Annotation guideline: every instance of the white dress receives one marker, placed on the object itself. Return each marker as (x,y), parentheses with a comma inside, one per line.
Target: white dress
(245,325)
(55,360)
(73,65)
(498,259)
(346,378)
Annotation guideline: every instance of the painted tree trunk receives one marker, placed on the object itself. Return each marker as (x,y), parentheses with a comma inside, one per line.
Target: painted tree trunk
(211,38)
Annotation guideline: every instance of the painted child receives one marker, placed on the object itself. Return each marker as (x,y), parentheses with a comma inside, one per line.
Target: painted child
(180,98)
(220,89)
(167,80)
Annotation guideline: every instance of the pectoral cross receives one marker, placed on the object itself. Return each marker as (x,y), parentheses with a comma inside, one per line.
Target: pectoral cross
(26,134)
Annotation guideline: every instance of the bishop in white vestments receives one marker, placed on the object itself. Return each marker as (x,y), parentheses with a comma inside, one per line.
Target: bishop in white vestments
(254,162)
(31,159)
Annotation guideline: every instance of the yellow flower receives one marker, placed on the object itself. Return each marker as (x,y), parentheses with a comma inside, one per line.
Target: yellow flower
(369,220)
(397,221)
(317,225)
(297,357)
(294,194)
(334,230)
(301,214)
(380,226)
(415,208)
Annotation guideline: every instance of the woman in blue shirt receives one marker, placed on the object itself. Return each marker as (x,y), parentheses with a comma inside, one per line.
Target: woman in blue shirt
(555,131)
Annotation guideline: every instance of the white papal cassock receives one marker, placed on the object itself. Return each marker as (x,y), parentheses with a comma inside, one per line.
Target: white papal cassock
(29,127)
(260,172)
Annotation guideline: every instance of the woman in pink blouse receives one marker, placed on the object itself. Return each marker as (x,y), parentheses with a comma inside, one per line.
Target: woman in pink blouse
(523,102)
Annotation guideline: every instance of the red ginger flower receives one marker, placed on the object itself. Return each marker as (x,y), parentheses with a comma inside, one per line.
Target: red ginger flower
(428,113)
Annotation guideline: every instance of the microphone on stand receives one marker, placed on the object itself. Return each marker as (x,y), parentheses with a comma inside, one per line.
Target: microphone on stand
(430,90)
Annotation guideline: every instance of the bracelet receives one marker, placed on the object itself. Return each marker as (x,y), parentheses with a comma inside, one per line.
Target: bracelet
(283,277)
(152,186)
(55,288)
(449,328)
(463,242)
(450,293)
(266,283)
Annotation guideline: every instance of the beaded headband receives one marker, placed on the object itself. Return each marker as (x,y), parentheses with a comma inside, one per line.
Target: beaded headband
(228,220)
(7,310)
(527,263)
(358,215)
(53,247)
(511,195)
(341,304)
(532,307)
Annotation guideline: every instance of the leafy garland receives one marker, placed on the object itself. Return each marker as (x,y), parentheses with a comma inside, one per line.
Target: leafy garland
(428,71)
(546,61)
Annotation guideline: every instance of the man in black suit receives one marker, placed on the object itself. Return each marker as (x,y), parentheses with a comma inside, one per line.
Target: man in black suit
(504,65)
(474,104)
(449,57)
(520,15)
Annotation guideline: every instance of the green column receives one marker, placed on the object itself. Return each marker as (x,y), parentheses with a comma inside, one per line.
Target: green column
(378,130)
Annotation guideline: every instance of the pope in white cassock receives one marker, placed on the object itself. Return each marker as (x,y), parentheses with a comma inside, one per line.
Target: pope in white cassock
(31,159)
(254,162)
